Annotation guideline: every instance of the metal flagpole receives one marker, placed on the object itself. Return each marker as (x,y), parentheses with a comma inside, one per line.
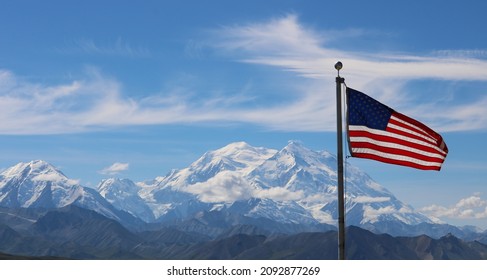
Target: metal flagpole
(341,199)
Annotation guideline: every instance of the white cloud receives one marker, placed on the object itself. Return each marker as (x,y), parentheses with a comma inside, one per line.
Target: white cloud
(472,207)
(55,177)
(115,168)
(279,194)
(224,187)
(285,43)
(288,45)
(372,215)
(97,101)
(369,199)
(91,103)
(228,187)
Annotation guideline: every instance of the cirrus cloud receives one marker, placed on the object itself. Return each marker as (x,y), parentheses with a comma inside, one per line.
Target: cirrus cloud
(97,101)
(287,44)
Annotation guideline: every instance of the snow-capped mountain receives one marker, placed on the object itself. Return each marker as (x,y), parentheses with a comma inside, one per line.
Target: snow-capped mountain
(293,185)
(38,184)
(123,194)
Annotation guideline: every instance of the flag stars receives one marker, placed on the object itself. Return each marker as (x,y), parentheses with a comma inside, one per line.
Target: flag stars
(368,111)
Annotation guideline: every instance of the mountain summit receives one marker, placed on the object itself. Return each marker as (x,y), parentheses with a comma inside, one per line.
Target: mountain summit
(294,185)
(38,184)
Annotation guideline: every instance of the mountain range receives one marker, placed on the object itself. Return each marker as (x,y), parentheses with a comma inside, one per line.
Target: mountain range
(238,190)
(72,232)
(294,185)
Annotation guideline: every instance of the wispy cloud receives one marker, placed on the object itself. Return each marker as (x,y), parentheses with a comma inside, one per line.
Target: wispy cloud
(115,168)
(286,44)
(96,101)
(463,53)
(472,207)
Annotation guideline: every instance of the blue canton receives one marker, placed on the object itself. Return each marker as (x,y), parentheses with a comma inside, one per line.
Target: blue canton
(364,110)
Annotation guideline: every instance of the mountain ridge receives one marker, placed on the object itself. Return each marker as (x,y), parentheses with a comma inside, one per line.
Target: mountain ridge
(72,232)
(295,180)
(238,185)
(38,184)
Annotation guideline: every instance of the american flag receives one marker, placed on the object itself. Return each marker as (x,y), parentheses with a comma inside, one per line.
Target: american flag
(377,132)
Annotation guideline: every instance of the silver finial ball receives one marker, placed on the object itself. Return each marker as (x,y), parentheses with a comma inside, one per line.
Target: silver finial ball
(338,66)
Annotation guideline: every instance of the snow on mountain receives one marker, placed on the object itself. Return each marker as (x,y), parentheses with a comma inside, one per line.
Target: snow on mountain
(300,170)
(280,211)
(123,194)
(292,185)
(237,158)
(38,184)
(216,177)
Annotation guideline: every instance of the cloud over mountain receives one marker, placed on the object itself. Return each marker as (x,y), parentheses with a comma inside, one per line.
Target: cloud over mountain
(472,207)
(115,168)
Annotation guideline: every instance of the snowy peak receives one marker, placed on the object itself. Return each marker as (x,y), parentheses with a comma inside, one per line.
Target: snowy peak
(36,170)
(292,185)
(245,153)
(295,146)
(123,187)
(237,159)
(296,168)
(235,156)
(35,184)
(38,184)
(305,157)
(284,182)
(123,194)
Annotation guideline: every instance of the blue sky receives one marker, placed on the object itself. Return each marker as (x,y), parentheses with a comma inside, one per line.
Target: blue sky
(119,88)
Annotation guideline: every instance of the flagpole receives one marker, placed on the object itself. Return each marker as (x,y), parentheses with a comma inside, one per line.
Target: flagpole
(341,200)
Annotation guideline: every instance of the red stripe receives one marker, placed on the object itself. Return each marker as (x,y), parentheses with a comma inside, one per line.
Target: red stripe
(394,151)
(397,162)
(409,135)
(408,126)
(362,133)
(431,133)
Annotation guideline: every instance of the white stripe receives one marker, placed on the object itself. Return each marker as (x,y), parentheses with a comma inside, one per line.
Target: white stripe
(395,146)
(401,128)
(409,124)
(395,157)
(394,135)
